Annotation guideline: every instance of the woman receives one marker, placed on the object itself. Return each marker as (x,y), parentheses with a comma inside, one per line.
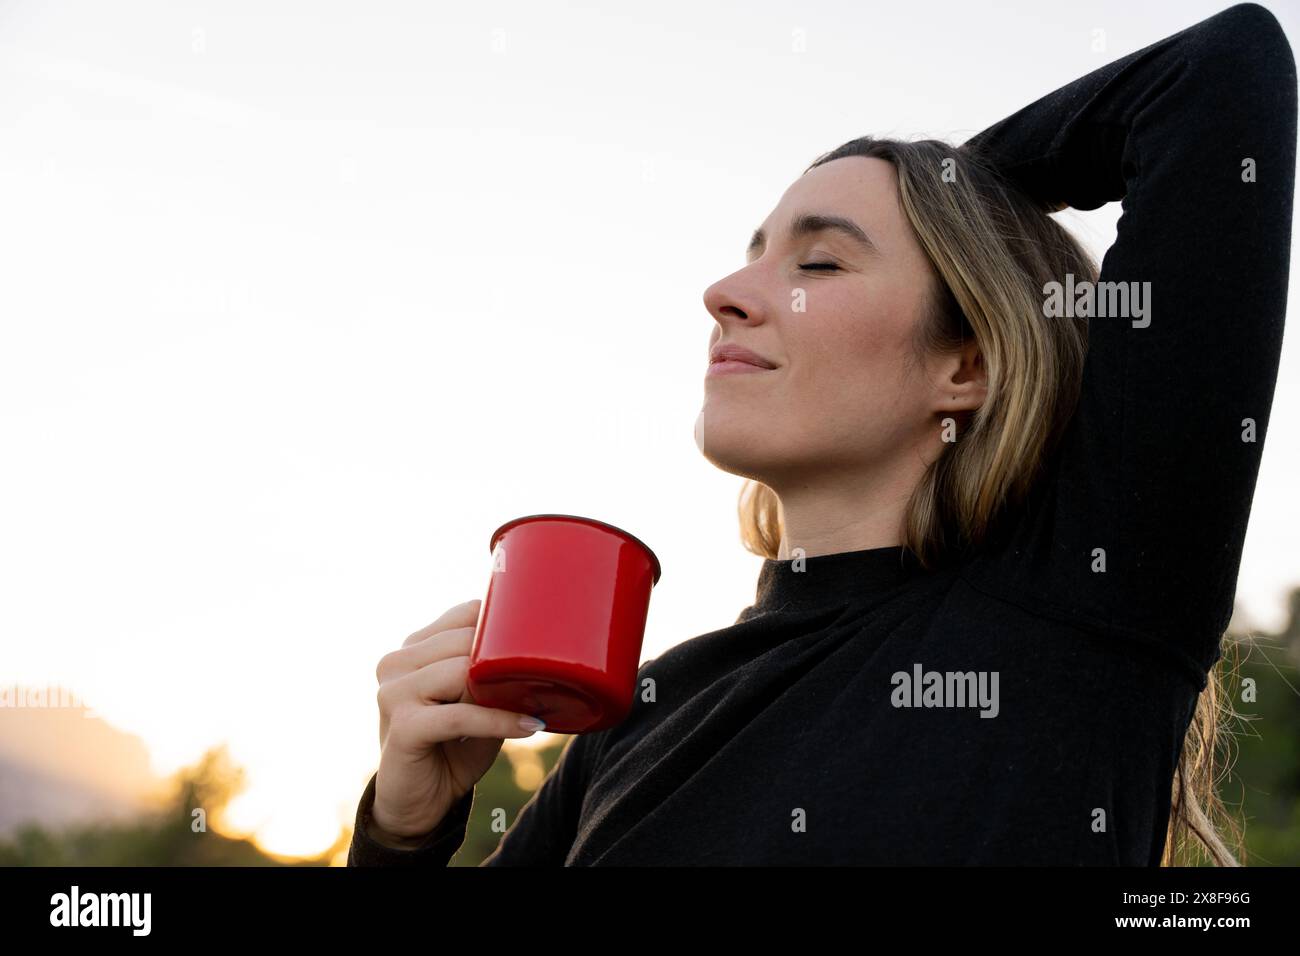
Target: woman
(1001,501)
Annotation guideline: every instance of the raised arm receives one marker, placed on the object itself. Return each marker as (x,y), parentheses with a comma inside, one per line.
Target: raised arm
(541,834)
(437,850)
(1196,134)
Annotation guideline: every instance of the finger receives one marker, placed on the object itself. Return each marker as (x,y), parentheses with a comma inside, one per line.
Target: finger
(462,615)
(462,721)
(442,682)
(454,643)
(466,698)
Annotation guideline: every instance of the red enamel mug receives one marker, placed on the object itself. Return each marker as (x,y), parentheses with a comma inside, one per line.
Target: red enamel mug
(559,633)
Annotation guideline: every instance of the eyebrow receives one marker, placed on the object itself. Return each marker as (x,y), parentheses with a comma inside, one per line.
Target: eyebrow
(811,223)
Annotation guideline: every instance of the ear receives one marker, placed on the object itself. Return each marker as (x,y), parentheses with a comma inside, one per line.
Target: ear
(959,379)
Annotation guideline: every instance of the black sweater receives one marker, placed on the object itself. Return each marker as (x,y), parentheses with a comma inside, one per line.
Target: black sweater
(783,739)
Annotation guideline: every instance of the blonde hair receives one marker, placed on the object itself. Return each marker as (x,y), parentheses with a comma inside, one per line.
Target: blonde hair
(993,249)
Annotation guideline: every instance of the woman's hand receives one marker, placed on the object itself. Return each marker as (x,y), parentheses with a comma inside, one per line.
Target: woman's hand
(435,744)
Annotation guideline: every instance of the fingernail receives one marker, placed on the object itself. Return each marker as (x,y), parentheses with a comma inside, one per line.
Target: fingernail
(531,723)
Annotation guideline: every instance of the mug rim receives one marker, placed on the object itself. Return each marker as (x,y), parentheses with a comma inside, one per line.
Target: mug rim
(654,560)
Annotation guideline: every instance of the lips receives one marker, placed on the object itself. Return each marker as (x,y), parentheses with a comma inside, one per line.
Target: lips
(731,352)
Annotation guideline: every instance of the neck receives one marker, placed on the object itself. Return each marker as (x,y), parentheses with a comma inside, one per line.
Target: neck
(829,514)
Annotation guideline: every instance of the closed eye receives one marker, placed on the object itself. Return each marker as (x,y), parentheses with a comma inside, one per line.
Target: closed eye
(819,266)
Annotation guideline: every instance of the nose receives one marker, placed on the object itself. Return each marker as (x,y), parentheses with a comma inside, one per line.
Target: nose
(733,300)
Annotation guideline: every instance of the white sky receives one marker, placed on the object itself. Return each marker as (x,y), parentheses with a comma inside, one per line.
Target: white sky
(302,300)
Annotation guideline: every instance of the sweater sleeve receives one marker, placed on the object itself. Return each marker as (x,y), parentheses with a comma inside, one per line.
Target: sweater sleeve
(1143,528)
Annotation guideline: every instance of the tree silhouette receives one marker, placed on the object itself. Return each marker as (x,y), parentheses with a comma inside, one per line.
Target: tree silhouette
(168,837)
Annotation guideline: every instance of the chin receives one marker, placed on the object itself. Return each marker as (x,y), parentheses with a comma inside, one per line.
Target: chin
(734,443)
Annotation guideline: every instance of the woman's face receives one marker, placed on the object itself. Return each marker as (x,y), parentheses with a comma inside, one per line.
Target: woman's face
(848,396)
